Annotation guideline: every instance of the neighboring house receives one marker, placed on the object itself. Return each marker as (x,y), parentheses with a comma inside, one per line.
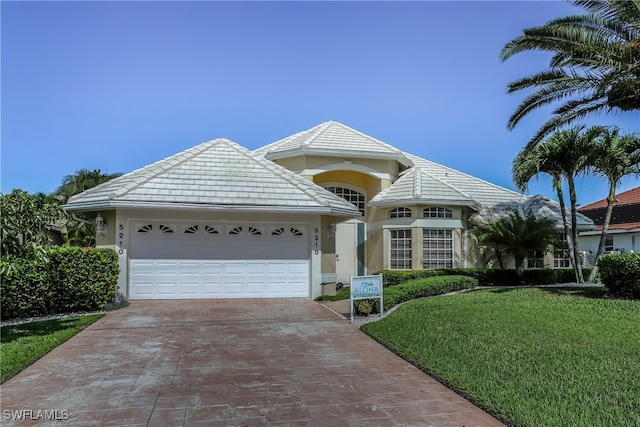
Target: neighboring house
(220,221)
(624,229)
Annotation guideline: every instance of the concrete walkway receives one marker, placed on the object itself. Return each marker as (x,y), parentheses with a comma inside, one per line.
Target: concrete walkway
(229,363)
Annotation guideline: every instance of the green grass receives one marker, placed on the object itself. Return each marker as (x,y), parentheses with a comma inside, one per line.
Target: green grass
(22,345)
(531,357)
(342,294)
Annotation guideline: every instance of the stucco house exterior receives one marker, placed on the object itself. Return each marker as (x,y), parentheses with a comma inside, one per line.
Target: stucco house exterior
(624,229)
(220,221)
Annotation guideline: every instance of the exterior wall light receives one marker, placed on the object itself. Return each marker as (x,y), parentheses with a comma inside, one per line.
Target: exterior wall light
(101,225)
(331,230)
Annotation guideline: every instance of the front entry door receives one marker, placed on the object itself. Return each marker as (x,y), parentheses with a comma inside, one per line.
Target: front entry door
(345,251)
(349,250)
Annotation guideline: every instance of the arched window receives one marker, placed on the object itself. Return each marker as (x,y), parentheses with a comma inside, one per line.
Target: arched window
(437,212)
(349,195)
(400,213)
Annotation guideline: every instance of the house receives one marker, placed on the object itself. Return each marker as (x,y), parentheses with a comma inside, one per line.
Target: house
(624,228)
(220,221)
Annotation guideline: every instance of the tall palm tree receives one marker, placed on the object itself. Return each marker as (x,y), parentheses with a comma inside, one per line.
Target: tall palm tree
(616,157)
(80,181)
(595,64)
(565,155)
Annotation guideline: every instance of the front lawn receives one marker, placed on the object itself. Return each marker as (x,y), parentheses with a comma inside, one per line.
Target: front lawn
(21,345)
(531,357)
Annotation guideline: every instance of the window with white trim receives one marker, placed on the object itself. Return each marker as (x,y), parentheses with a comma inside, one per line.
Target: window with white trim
(437,212)
(534,260)
(350,195)
(400,257)
(400,213)
(561,253)
(437,248)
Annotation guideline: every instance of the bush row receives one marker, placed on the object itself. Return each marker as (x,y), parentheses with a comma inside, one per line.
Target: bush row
(620,274)
(486,276)
(64,279)
(418,288)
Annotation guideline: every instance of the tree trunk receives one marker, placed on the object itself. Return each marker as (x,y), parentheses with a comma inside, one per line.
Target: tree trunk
(605,228)
(567,230)
(574,227)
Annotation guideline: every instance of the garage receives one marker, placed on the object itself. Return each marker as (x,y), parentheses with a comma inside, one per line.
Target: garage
(185,260)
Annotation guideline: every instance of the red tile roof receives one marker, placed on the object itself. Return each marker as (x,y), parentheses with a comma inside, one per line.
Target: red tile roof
(629,197)
(627,226)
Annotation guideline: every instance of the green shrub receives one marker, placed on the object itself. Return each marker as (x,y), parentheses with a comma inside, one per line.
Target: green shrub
(621,274)
(487,276)
(418,288)
(25,288)
(67,279)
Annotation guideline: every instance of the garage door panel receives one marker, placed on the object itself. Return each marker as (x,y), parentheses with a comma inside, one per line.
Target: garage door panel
(165,279)
(235,261)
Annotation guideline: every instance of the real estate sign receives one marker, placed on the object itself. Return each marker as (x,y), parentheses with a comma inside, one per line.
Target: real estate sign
(366,287)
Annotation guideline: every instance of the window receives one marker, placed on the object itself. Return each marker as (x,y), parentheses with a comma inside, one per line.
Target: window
(437,248)
(400,258)
(608,243)
(534,260)
(193,229)
(561,253)
(253,231)
(146,228)
(165,229)
(437,212)
(400,213)
(349,195)
(235,231)
(210,230)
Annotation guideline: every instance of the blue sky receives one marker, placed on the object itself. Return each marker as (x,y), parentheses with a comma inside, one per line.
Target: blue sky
(118,85)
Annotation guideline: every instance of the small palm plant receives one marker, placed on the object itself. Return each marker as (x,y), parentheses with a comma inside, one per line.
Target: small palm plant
(512,235)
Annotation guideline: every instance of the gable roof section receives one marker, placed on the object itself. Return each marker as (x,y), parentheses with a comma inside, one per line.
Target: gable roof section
(215,174)
(481,192)
(417,185)
(332,139)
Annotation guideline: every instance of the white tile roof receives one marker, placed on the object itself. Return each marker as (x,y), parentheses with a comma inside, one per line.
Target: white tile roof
(425,182)
(332,139)
(218,173)
(480,191)
(417,185)
(541,206)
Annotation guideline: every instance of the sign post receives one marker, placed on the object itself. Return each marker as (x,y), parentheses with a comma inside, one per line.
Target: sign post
(366,287)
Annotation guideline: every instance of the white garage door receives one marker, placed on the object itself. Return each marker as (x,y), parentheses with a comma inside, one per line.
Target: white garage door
(205,260)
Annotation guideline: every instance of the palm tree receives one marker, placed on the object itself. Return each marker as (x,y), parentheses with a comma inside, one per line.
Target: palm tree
(564,155)
(616,157)
(80,181)
(513,235)
(595,64)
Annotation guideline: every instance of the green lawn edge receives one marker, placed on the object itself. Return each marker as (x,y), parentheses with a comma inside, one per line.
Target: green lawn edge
(527,356)
(22,345)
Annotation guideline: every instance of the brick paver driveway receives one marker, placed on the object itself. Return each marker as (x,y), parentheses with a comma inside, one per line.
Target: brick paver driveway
(230,363)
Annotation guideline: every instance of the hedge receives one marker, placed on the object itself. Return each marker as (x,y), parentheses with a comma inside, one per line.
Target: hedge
(65,279)
(487,276)
(620,274)
(418,288)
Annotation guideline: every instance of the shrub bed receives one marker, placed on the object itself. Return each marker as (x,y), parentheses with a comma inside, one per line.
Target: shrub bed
(487,276)
(620,274)
(418,288)
(65,279)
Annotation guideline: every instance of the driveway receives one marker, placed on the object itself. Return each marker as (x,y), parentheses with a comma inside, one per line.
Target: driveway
(229,363)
